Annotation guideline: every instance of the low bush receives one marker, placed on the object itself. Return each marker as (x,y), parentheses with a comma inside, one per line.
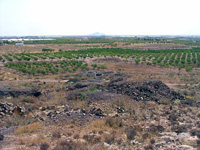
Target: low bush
(173,117)
(195,132)
(198,143)
(130,133)
(149,63)
(47,50)
(44,146)
(148,147)
(109,139)
(56,134)
(76,136)
(92,139)
(179,128)
(189,68)
(156,129)
(70,145)
(152,141)
(113,122)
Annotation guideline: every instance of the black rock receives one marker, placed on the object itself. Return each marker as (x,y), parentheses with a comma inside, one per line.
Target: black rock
(1,137)
(79,86)
(99,74)
(73,80)
(15,92)
(83,111)
(148,90)
(96,111)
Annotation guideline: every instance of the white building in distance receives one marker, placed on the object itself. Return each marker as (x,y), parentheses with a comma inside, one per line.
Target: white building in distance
(20,44)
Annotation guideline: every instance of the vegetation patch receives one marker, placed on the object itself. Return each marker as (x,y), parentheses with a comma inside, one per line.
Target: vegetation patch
(178,58)
(28,128)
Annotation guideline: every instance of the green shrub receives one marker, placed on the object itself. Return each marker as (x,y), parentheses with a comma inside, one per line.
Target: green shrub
(94,65)
(137,61)
(83,96)
(149,63)
(189,68)
(47,50)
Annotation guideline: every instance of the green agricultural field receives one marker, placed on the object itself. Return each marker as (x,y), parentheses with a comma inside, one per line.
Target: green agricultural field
(46,67)
(180,58)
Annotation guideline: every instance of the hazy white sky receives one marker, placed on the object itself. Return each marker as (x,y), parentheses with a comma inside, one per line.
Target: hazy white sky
(112,17)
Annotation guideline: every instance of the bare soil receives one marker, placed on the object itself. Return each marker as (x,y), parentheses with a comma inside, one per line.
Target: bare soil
(157,46)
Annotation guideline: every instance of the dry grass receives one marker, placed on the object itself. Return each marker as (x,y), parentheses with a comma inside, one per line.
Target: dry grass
(16,120)
(80,104)
(113,122)
(31,128)
(137,116)
(34,139)
(57,100)
(98,124)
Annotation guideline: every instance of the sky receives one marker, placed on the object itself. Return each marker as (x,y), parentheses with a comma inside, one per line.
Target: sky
(111,17)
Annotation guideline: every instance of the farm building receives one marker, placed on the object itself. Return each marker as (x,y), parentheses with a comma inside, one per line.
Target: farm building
(20,44)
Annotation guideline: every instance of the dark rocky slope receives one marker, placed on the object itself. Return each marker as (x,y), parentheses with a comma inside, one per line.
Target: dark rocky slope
(147,90)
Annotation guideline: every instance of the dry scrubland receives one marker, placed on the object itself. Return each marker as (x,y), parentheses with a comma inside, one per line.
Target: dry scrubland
(112,102)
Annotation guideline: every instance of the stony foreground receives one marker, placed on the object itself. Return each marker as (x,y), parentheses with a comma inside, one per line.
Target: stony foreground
(119,114)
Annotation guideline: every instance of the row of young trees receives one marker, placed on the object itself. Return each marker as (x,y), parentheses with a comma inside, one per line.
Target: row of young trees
(164,58)
(46,68)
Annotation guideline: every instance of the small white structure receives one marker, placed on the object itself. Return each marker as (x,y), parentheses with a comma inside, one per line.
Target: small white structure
(20,44)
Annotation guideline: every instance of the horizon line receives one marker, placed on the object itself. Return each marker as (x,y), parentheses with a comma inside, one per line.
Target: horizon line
(103,35)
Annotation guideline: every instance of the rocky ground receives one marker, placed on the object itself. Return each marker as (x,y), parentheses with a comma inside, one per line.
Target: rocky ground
(97,110)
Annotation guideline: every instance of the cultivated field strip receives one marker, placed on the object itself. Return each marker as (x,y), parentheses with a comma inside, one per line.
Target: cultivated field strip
(69,60)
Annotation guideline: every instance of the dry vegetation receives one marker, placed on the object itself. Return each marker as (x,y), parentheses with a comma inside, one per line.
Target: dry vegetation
(82,114)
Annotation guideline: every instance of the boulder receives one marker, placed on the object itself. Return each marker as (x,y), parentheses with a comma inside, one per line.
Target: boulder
(96,111)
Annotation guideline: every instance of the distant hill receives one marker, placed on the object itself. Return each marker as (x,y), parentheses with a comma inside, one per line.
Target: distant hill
(97,34)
